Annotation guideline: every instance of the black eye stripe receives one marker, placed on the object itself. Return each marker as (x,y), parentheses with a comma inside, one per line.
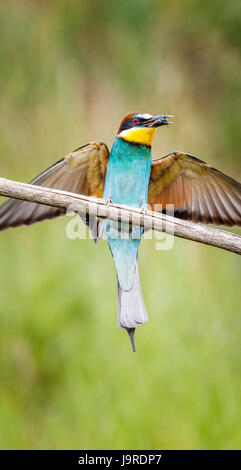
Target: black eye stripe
(129,124)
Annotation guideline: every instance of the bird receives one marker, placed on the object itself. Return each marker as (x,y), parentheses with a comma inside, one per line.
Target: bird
(128,175)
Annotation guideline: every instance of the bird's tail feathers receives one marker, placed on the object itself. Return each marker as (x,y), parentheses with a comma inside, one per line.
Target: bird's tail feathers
(131,311)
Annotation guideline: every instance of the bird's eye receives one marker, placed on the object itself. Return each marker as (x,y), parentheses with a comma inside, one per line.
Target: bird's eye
(135,121)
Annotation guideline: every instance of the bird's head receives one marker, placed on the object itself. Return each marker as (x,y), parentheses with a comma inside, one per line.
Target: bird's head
(140,128)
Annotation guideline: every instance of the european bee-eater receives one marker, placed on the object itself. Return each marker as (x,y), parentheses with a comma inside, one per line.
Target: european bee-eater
(128,175)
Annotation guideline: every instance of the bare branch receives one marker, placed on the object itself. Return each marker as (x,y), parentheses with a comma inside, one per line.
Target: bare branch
(89,205)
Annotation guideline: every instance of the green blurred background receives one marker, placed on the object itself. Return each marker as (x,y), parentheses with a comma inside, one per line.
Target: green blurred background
(70,70)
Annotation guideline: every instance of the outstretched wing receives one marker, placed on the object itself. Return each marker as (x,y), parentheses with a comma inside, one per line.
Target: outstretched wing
(199,192)
(82,171)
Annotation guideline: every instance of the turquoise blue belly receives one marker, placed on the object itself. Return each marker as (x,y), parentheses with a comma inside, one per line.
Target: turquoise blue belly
(127,180)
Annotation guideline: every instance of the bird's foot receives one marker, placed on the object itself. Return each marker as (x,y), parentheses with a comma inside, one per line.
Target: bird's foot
(144,210)
(131,333)
(108,202)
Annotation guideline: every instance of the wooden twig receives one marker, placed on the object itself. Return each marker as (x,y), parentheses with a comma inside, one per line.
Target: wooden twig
(150,220)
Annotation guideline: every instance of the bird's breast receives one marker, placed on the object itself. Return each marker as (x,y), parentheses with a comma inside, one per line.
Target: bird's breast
(128,175)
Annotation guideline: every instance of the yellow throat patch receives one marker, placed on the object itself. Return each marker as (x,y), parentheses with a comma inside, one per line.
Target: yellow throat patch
(139,135)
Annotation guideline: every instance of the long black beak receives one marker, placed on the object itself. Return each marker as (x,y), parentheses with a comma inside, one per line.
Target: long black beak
(157,121)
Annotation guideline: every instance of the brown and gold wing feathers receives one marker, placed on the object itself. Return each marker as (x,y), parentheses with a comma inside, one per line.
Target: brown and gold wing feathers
(82,171)
(199,192)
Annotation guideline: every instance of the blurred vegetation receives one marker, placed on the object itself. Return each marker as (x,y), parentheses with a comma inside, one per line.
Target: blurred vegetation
(70,70)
